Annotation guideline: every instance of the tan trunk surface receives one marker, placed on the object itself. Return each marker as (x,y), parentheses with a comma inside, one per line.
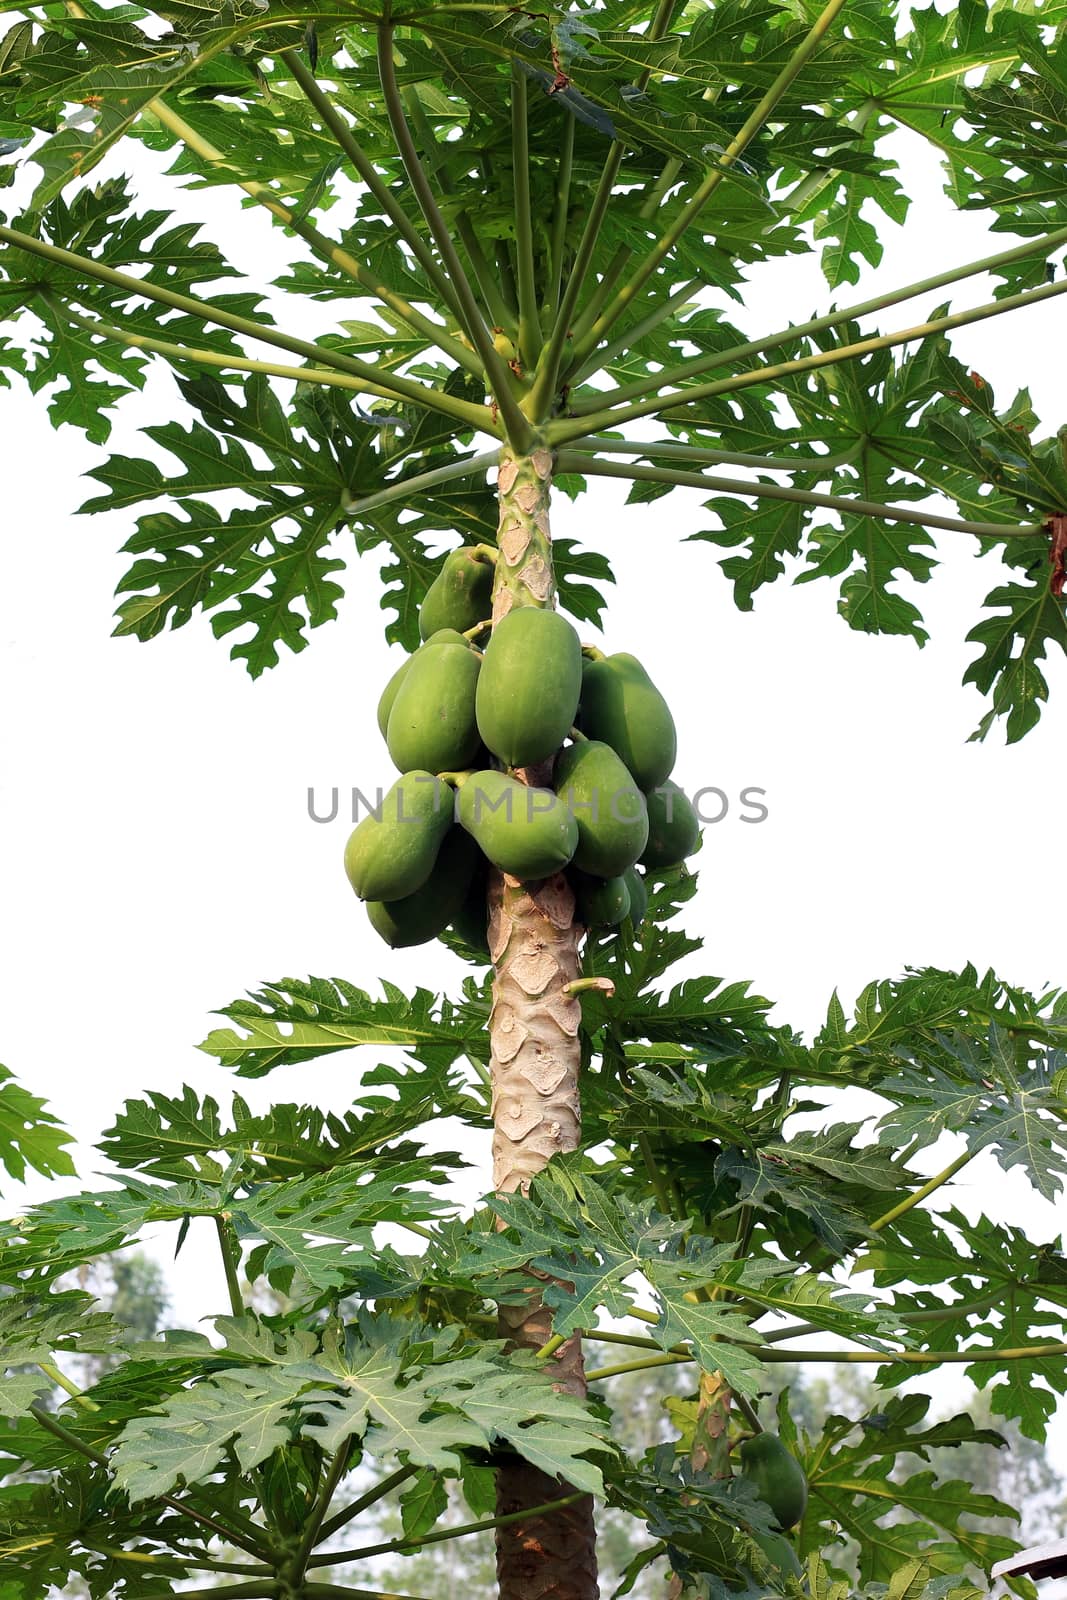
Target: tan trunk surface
(534,1061)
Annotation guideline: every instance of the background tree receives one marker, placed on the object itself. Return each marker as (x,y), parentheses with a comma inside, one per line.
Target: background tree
(551,210)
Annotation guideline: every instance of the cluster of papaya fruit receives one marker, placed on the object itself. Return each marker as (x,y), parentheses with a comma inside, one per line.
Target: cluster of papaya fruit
(460,722)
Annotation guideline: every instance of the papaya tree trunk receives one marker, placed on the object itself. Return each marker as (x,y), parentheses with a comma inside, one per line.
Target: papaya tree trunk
(534,1060)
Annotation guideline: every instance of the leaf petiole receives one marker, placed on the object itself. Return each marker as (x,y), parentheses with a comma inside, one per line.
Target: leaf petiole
(575,461)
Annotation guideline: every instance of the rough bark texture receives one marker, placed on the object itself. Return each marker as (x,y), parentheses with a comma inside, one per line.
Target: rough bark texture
(535,1059)
(710,1451)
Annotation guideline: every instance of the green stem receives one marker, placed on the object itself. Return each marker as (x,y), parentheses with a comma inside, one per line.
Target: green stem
(614,271)
(416,1228)
(229,1263)
(574,461)
(746,1222)
(179,1562)
(227,363)
(637,1366)
(53,1426)
(637,1340)
(962,1308)
(496,373)
(917,1358)
(324,247)
(485,1079)
(60,1379)
(748,1411)
(551,1345)
(317,1516)
(546,380)
(327,1591)
(697,454)
(959,1308)
(921,1194)
(483,274)
(421,481)
(655,1176)
(507,280)
(599,298)
(376,1492)
(658,402)
(393,387)
(630,338)
(799,1330)
(752,125)
(560,213)
(669,173)
(343,137)
(529,320)
(234,1591)
(392,1546)
(808,188)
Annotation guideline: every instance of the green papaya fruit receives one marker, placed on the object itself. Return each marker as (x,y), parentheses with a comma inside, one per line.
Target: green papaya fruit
(393,850)
(392,688)
(461,595)
(526,832)
(471,922)
(423,915)
(600,902)
(432,724)
(529,685)
(673,828)
(777,1477)
(608,807)
(779,1553)
(638,896)
(622,706)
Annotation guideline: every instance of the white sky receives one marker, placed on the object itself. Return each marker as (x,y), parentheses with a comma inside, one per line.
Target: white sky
(156,855)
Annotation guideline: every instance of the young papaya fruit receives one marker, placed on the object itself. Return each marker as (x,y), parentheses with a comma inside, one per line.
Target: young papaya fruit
(392,688)
(600,902)
(622,706)
(432,724)
(526,832)
(673,828)
(471,922)
(777,1477)
(779,1553)
(461,595)
(608,807)
(393,850)
(423,915)
(638,896)
(529,685)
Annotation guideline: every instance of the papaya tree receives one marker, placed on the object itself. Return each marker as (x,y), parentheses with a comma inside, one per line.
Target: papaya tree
(546,217)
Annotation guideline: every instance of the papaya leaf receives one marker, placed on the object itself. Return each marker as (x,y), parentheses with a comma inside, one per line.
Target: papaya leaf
(423,1502)
(855,1480)
(30,1136)
(1009,1294)
(411,1400)
(997,1101)
(293,1021)
(181,1137)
